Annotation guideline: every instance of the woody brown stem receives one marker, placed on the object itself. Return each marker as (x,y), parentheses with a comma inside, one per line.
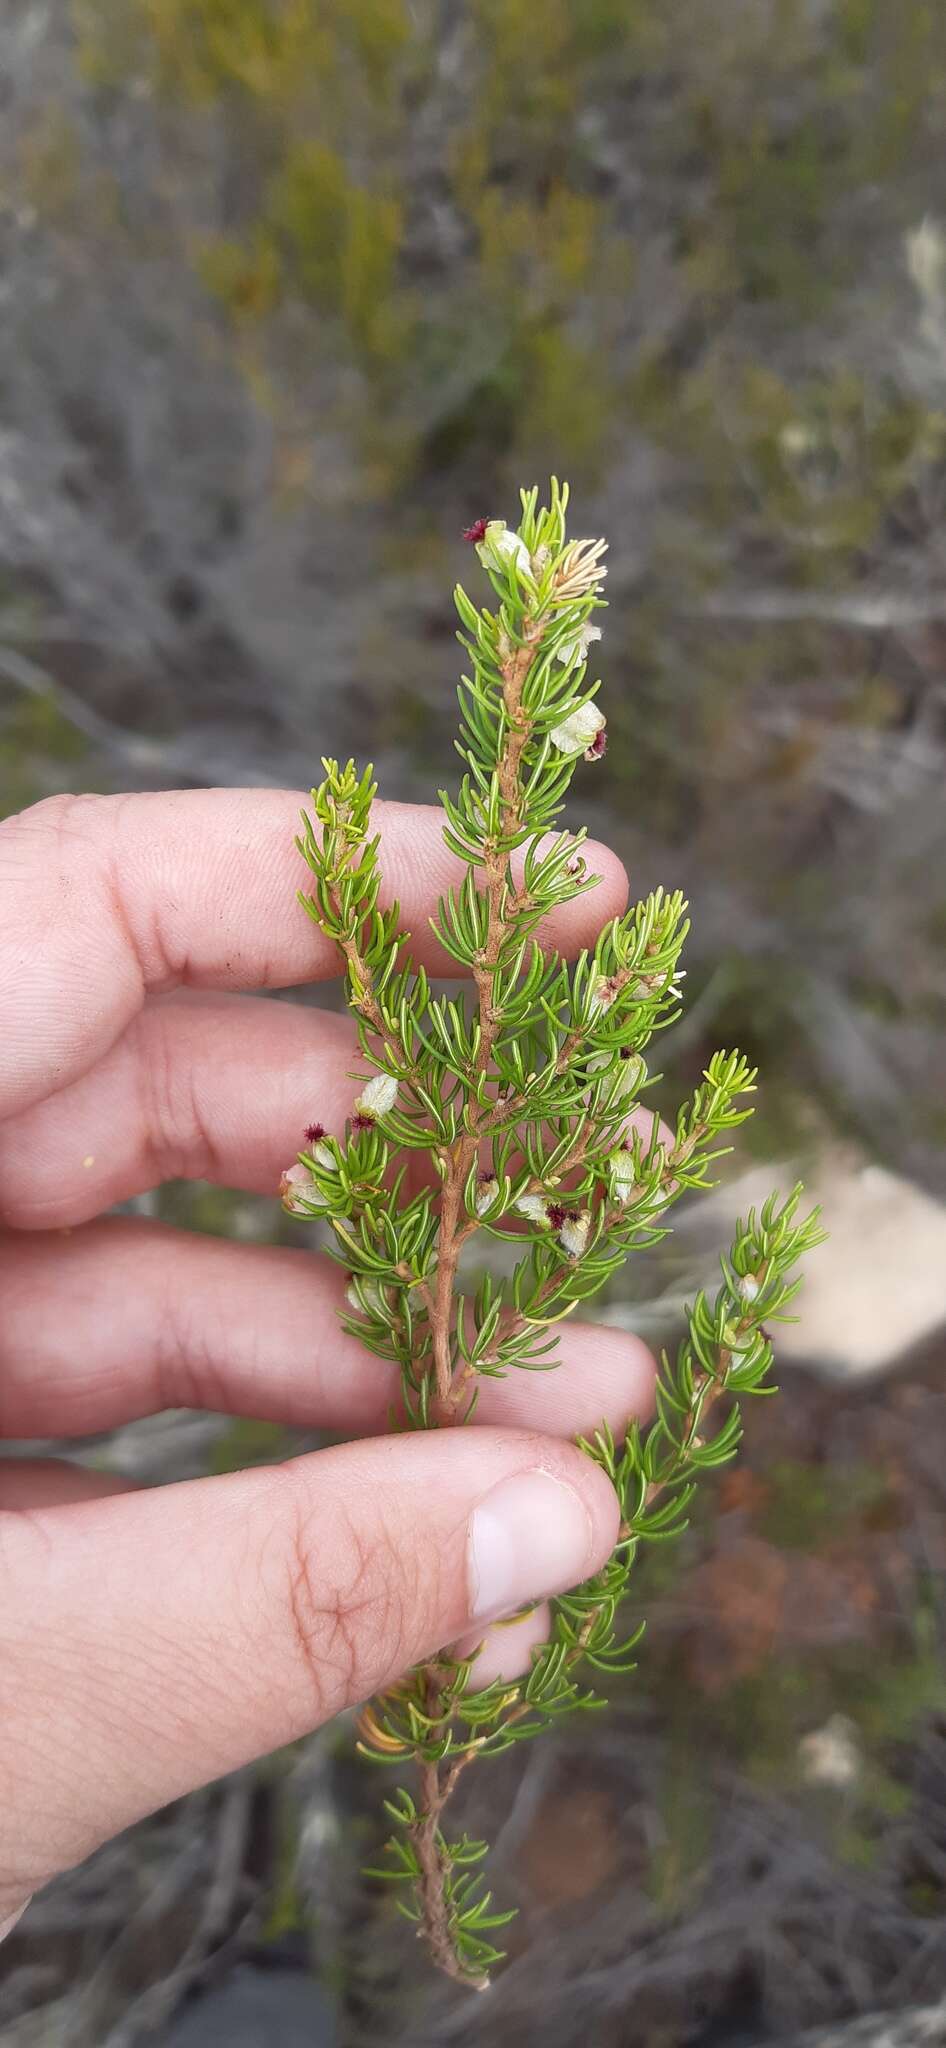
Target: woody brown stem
(434,1860)
(366,1004)
(502,906)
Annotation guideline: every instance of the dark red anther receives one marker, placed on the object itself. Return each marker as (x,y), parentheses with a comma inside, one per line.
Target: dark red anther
(477,531)
(558,1213)
(313,1133)
(598,747)
(360,1122)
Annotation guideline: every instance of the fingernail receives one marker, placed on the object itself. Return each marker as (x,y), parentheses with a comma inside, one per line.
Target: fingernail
(531,1536)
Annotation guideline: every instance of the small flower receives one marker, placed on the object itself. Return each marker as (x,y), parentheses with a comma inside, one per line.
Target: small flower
(578,732)
(477,531)
(321,1153)
(501,546)
(300,1196)
(377,1097)
(577,648)
(598,747)
(574,1232)
(486,1193)
(748,1287)
(580,570)
(535,1207)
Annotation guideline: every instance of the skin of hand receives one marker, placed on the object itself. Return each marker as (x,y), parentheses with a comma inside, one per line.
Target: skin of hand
(151,1640)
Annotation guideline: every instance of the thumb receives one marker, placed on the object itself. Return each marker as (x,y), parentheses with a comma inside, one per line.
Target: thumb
(152,1641)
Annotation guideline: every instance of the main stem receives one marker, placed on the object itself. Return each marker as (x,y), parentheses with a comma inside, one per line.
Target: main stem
(434,1862)
(455,1227)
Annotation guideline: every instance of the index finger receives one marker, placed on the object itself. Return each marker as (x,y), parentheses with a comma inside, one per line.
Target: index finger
(104,900)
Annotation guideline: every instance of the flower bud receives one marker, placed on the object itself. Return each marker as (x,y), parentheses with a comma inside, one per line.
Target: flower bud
(579,730)
(486,1192)
(748,1287)
(377,1097)
(535,1207)
(300,1196)
(501,547)
(627,1073)
(631,1074)
(623,1174)
(374,1301)
(737,1341)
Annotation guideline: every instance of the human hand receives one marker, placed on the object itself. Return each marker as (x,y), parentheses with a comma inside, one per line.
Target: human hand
(153,1640)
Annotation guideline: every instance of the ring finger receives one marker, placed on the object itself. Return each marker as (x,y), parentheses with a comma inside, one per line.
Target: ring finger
(124,1318)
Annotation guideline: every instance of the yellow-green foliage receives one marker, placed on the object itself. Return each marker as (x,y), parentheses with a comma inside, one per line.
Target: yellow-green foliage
(686,1814)
(807,1504)
(531,59)
(245,1443)
(39,751)
(317,80)
(829,459)
(760,125)
(285,1911)
(273,50)
(245,276)
(340,239)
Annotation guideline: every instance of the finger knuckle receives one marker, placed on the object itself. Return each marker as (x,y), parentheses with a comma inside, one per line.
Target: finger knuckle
(60,818)
(177,1132)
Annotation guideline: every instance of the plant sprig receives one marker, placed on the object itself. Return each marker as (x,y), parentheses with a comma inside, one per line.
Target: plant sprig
(527,1102)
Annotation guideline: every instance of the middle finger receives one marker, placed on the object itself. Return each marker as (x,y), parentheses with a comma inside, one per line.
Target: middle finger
(199,1087)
